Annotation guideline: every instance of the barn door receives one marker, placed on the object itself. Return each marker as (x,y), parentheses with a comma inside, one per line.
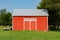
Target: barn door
(27,25)
(33,25)
(30,24)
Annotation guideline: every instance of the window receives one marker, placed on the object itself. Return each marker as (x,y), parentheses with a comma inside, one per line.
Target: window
(29,19)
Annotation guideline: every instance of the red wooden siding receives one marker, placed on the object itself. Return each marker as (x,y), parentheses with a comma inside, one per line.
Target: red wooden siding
(18,23)
(42,23)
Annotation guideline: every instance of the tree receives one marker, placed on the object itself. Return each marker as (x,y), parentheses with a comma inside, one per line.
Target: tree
(8,18)
(5,17)
(2,15)
(53,7)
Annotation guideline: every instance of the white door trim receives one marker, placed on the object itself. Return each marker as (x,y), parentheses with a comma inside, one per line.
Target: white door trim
(29,25)
(36,24)
(23,25)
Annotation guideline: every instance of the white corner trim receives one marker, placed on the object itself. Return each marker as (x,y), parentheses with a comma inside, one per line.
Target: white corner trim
(12,23)
(47,23)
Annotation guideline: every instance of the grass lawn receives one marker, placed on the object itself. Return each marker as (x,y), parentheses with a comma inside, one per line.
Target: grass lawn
(28,35)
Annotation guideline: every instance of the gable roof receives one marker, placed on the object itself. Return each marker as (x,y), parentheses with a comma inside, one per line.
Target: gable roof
(30,12)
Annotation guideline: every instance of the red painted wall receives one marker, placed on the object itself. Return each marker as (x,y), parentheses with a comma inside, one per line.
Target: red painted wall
(42,23)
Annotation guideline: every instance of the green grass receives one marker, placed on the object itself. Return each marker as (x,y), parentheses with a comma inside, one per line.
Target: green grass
(29,35)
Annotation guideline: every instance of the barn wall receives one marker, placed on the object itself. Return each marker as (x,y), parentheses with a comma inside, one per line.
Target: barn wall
(17,23)
(42,22)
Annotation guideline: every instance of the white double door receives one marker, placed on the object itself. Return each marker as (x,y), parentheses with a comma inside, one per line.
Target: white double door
(30,24)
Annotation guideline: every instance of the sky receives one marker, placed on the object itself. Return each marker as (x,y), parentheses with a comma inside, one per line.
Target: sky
(10,5)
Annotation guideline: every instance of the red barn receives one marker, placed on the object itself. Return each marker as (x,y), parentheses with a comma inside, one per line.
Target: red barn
(30,19)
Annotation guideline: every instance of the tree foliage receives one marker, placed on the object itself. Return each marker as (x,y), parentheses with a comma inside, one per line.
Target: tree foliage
(5,17)
(53,7)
